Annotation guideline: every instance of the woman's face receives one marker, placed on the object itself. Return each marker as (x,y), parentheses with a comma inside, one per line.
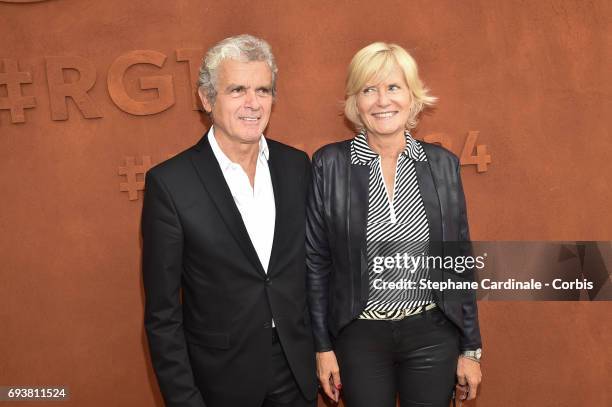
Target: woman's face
(384,107)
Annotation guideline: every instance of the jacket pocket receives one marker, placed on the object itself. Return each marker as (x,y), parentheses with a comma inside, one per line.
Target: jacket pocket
(216,340)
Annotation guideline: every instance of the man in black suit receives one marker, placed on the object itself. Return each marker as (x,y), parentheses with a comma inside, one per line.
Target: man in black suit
(223,250)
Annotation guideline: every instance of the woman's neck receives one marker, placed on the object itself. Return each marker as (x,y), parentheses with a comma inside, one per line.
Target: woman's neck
(387,146)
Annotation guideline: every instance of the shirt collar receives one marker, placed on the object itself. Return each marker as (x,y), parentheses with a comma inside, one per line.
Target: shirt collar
(224,160)
(364,154)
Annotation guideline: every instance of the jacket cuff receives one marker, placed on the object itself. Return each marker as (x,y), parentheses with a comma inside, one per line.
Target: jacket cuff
(465,344)
(323,342)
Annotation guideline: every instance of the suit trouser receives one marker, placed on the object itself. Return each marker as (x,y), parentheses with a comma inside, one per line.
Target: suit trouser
(415,357)
(283,390)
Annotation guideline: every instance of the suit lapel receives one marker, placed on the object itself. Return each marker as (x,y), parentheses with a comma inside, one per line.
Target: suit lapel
(213,180)
(276,168)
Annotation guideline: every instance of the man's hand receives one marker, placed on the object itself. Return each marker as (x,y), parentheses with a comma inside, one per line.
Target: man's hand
(329,374)
(468,378)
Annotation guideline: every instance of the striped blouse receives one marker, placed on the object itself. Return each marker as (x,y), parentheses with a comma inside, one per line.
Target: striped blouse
(394,227)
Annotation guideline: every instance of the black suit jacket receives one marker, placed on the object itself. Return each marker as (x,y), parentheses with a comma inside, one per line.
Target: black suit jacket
(338,279)
(209,303)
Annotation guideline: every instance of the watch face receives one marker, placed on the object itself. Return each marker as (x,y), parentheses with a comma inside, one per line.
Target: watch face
(478,353)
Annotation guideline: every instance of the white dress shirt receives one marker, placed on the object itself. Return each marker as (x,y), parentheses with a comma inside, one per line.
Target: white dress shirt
(256,204)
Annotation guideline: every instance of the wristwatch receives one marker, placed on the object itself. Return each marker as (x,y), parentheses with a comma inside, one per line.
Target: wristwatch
(474,355)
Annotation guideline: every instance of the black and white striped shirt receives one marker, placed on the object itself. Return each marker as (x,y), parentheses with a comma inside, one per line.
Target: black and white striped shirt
(394,226)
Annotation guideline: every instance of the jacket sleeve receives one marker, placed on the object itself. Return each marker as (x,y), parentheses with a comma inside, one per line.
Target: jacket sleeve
(162,252)
(470,337)
(318,259)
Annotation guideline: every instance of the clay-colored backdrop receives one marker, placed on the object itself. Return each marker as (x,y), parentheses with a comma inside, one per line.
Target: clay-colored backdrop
(532,77)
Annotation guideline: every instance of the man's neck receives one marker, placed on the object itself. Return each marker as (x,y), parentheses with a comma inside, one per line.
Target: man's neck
(243,154)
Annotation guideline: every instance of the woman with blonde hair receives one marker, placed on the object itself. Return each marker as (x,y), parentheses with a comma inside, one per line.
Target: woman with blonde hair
(375,200)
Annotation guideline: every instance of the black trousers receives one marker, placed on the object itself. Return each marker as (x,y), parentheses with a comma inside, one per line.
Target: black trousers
(283,390)
(415,357)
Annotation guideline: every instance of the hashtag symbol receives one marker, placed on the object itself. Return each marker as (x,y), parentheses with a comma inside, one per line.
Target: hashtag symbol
(15,101)
(134,176)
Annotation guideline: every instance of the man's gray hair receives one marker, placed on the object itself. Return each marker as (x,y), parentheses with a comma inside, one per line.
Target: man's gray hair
(244,48)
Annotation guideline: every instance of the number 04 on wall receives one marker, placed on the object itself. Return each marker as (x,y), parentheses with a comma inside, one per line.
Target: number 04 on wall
(481,159)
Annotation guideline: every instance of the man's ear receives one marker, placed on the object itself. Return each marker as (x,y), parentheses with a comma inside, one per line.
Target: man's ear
(205,103)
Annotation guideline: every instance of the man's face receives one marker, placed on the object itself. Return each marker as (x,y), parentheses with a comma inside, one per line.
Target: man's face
(244,101)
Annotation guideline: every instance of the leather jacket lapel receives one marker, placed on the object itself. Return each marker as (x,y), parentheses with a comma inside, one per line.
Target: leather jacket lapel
(430,199)
(357,198)
(431,202)
(440,192)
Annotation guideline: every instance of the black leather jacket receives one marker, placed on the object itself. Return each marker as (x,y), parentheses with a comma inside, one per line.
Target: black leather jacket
(337,276)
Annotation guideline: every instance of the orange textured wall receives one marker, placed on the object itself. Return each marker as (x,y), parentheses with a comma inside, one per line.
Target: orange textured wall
(532,78)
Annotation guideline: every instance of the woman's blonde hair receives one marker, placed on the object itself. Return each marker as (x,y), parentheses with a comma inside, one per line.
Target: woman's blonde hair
(373,64)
